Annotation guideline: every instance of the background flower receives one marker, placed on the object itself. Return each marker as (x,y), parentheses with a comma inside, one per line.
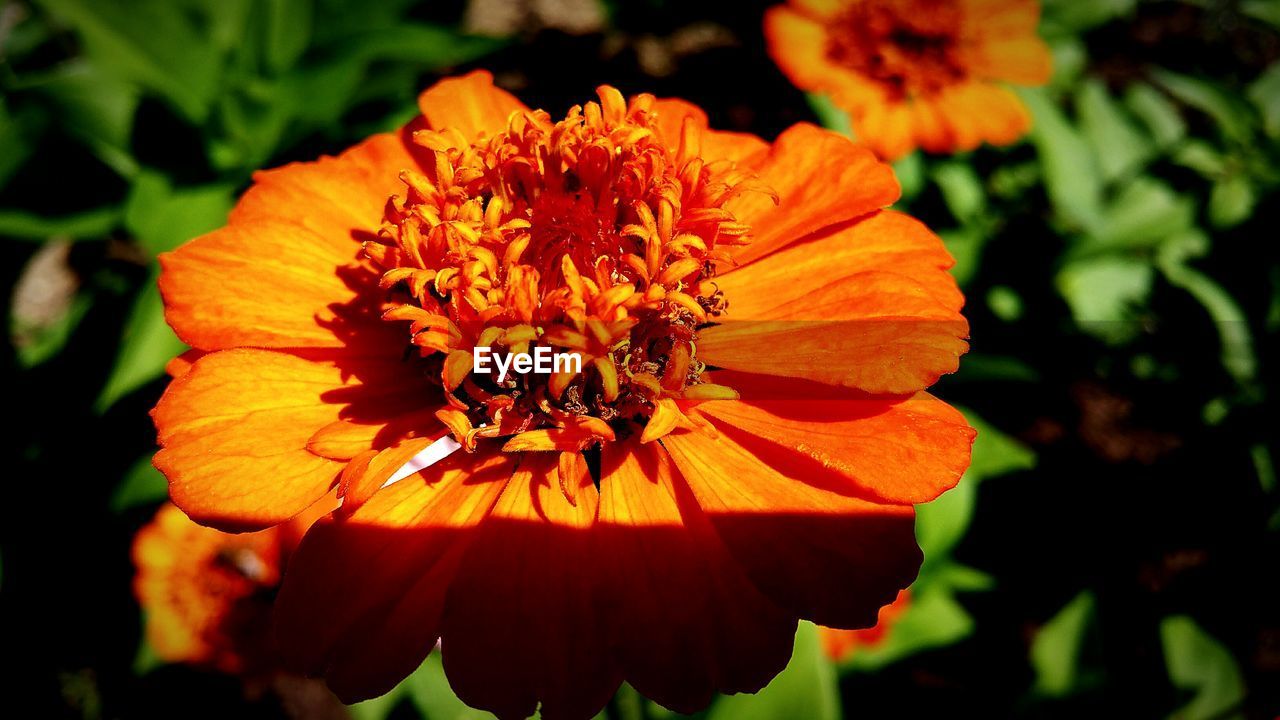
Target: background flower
(915,73)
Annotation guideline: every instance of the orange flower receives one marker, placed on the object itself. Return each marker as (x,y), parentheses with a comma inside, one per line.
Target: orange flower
(915,73)
(663,517)
(842,644)
(207,594)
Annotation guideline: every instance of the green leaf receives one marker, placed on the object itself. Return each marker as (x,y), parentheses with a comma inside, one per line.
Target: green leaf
(961,578)
(961,189)
(1229,112)
(1198,663)
(805,689)
(1161,117)
(253,127)
(995,453)
(142,485)
(91,224)
(1056,648)
(1184,246)
(1119,148)
(1264,467)
(1102,293)
(320,95)
(829,115)
(1265,10)
(1078,15)
(932,619)
(378,708)
(1265,95)
(161,217)
(227,22)
(1011,180)
(1202,157)
(1237,354)
(910,173)
(95,108)
(979,367)
(16,142)
(1071,175)
(1005,303)
(945,521)
(428,689)
(1145,213)
(146,660)
(941,524)
(1231,201)
(432,46)
(147,346)
(288,31)
(1069,60)
(150,42)
(965,245)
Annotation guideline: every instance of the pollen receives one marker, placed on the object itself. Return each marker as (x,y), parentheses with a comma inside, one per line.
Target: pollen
(594,235)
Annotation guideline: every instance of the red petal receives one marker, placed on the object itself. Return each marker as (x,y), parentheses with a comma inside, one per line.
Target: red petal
(522,621)
(363,597)
(825,556)
(686,621)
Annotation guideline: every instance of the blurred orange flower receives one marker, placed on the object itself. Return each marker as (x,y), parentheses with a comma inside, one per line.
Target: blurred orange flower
(915,73)
(207,594)
(840,645)
(750,421)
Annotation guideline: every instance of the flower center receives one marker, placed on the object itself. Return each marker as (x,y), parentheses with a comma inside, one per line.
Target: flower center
(594,236)
(908,47)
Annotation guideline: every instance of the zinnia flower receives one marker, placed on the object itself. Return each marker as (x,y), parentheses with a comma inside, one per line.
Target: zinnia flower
(207,594)
(840,645)
(742,448)
(915,73)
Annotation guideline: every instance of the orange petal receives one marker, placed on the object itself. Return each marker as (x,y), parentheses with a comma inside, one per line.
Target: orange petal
(181,364)
(930,126)
(522,623)
(886,127)
(1023,60)
(716,144)
(685,621)
(234,431)
(333,197)
(360,480)
(821,179)
(571,438)
(987,19)
(280,274)
(798,45)
(897,450)
(825,556)
(362,600)
(887,241)
(270,284)
(471,103)
(344,439)
(884,334)
(868,306)
(979,112)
